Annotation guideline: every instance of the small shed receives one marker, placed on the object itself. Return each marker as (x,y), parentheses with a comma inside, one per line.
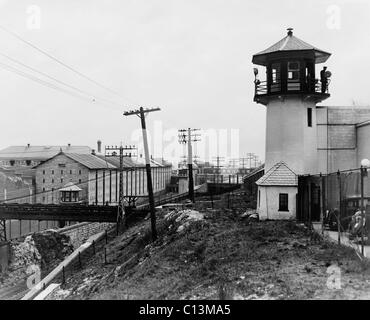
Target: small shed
(70,193)
(277,193)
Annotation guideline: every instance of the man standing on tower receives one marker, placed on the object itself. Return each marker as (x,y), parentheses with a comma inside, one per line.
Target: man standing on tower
(324,80)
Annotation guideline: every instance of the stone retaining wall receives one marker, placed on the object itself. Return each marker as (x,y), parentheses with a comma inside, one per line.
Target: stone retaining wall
(81,232)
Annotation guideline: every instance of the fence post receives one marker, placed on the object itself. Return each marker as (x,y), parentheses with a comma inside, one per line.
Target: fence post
(322,202)
(363,172)
(340,203)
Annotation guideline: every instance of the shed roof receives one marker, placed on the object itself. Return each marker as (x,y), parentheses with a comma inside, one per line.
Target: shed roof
(279,175)
(70,186)
(290,43)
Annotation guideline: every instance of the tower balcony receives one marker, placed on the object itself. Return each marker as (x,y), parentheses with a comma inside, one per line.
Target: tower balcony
(313,90)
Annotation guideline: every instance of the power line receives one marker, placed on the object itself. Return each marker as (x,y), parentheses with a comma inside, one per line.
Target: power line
(62,63)
(45,83)
(56,80)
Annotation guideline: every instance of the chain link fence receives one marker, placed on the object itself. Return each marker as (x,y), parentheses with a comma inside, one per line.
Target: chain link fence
(337,204)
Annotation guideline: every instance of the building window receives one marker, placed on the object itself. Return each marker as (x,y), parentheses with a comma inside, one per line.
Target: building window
(70,171)
(52,171)
(79,171)
(43,189)
(28,162)
(52,180)
(43,180)
(61,180)
(43,172)
(79,181)
(12,162)
(283,202)
(309,117)
(61,171)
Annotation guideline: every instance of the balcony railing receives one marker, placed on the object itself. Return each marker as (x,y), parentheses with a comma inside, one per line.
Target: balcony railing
(315,86)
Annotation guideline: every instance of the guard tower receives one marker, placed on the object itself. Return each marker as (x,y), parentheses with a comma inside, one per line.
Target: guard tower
(290,92)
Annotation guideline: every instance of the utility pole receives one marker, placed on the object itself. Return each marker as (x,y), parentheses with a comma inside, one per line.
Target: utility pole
(250,157)
(188,136)
(112,152)
(233,162)
(141,114)
(255,158)
(218,166)
(243,162)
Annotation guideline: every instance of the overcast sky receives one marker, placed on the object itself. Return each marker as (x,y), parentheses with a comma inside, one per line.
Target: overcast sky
(191,58)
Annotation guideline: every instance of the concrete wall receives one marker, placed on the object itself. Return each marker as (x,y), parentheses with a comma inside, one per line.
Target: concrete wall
(363,143)
(339,143)
(288,137)
(268,202)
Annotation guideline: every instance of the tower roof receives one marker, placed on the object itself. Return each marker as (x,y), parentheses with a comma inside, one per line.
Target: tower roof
(279,175)
(290,43)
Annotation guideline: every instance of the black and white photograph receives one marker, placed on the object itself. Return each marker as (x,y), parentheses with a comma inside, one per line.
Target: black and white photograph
(188,156)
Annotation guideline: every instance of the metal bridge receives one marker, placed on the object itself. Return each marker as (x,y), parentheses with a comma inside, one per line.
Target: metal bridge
(78,212)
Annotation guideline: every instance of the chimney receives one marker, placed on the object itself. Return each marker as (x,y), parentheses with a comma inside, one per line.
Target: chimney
(69,145)
(99,146)
(28,145)
(290,31)
(93,152)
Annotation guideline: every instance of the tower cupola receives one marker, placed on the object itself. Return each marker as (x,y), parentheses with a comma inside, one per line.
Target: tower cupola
(290,70)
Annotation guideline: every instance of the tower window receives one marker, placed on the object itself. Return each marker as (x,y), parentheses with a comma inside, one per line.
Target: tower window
(283,202)
(275,77)
(309,117)
(293,76)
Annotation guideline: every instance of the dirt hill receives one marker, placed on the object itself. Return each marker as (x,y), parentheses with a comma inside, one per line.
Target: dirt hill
(215,254)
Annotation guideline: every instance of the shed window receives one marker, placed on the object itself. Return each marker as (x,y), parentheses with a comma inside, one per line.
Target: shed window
(283,202)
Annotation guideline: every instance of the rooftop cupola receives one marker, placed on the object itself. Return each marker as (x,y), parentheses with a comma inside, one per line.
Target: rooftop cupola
(290,69)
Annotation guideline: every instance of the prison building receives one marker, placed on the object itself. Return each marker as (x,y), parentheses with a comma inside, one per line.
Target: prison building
(104,189)
(97,178)
(30,156)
